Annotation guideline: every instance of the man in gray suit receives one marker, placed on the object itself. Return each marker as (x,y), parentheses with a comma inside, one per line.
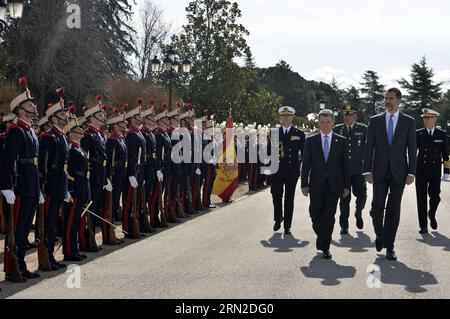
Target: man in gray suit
(390,157)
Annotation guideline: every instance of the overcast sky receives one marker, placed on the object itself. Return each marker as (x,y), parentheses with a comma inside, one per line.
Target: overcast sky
(342,38)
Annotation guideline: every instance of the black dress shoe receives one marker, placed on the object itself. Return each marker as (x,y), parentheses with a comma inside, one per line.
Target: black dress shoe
(390,255)
(173,221)
(287,232)
(359,223)
(83,256)
(73,258)
(59,265)
(211,206)
(433,223)
(30,275)
(344,231)
(327,254)
(277,226)
(8,278)
(379,244)
(423,231)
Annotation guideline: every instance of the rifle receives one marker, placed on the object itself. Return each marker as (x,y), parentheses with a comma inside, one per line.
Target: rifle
(146,227)
(135,230)
(12,267)
(110,234)
(43,258)
(190,205)
(169,208)
(161,208)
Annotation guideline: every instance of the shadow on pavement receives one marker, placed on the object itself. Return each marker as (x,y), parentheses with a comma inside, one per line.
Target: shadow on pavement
(397,273)
(358,244)
(436,239)
(283,243)
(327,270)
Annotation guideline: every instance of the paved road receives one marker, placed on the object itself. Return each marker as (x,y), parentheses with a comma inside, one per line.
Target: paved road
(232,252)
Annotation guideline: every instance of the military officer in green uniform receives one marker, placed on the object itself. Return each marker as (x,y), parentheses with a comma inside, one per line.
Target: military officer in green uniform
(356,137)
(432,144)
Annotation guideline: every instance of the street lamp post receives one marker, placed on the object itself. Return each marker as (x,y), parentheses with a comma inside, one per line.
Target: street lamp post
(11,8)
(171,67)
(322,104)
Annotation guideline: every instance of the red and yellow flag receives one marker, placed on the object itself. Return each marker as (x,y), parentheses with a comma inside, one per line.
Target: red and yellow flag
(227,177)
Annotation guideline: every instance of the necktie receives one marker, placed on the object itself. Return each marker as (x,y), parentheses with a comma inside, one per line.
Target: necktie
(349,130)
(430,133)
(391,129)
(326,148)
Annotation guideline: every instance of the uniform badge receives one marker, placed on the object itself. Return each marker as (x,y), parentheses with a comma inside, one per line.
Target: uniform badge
(438,141)
(35,161)
(295,138)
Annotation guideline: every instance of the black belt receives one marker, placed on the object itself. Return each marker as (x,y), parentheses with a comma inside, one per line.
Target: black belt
(32,161)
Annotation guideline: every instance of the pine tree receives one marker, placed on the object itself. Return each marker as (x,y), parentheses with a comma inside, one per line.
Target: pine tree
(373,93)
(52,55)
(422,91)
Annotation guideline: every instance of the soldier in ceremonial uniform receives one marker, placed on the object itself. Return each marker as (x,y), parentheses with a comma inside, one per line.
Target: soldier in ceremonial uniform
(94,143)
(53,152)
(209,166)
(164,151)
(193,169)
(8,120)
(356,134)
(432,144)
(292,142)
(153,172)
(136,148)
(19,178)
(78,186)
(116,166)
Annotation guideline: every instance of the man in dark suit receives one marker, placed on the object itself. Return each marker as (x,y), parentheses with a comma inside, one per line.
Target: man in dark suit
(325,177)
(292,142)
(433,152)
(390,157)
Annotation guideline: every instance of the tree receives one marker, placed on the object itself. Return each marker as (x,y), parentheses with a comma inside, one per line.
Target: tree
(294,89)
(260,107)
(373,93)
(213,39)
(52,55)
(443,107)
(422,91)
(351,97)
(154,32)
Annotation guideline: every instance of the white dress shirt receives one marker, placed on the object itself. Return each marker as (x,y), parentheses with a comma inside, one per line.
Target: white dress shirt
(286,129)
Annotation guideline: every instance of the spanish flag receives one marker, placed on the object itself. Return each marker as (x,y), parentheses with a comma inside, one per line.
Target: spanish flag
(227,177)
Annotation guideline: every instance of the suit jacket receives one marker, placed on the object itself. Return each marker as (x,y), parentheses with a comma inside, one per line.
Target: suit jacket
(400,157)
(315,170)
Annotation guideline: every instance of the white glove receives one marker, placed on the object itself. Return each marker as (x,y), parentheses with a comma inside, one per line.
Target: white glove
(41,198)
(198,171)
(9,195)
(133,181)
(160,176)
(267,172)
(108,186)
(446,178)
(68,198)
